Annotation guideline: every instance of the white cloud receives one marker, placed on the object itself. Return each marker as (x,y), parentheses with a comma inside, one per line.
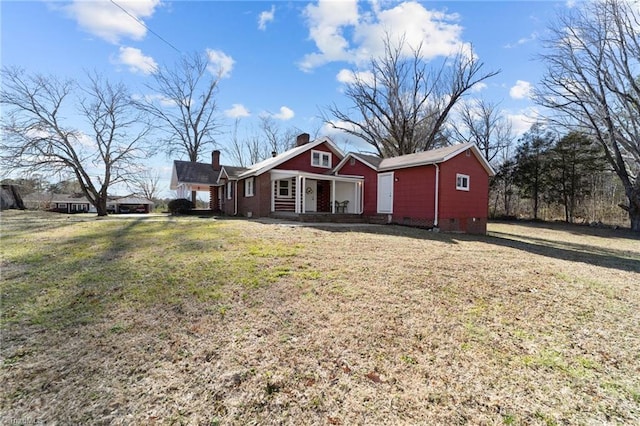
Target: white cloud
(284,114)
(266,17)
(478,87)
(220,63)
(327,21)
(521,121)
(522,90)
(106,20)
(136,61)
(341,33)
(524,40)
(347,76)
(164,101)
(237,111)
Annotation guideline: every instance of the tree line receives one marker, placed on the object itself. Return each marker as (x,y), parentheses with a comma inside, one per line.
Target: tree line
(552,176)
(400,104)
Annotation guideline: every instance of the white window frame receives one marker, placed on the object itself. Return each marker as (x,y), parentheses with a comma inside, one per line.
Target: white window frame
(229,190)
(460,182)
(322,155)
(249,184)
(278,187)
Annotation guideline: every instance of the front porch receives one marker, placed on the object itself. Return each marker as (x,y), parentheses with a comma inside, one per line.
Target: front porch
(301,193)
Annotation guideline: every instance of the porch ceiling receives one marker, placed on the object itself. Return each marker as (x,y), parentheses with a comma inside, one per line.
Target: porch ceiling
(284,174)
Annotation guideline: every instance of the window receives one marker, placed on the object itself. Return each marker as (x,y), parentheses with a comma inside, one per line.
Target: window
(229,190)
(248,187)
(462,182)
(283,188)
(321,159)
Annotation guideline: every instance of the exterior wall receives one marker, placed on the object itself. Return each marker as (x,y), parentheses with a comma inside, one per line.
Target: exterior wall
(464,211)
(414,196)
(228,204)
(302,162)
(370,188)
(214,202)
(259,204)
(285,204)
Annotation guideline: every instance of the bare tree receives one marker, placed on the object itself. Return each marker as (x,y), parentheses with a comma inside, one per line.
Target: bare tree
(245,151)
(184,106)
(401,105)
(145,183)
(270,139)
(480,122)
(278,140)
(592,86)
(39,137)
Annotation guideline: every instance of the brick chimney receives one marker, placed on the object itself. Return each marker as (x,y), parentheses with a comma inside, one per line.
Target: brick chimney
(215,160)
(302,139)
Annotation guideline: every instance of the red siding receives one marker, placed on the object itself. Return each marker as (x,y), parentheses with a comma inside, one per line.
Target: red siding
(458,209)
(413,195)
(302,161)
(370,190)
(466,211)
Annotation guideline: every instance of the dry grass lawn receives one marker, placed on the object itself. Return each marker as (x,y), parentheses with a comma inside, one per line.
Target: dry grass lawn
(162,320)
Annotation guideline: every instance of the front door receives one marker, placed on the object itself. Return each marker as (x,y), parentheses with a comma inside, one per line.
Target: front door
(385,193)
(310,195)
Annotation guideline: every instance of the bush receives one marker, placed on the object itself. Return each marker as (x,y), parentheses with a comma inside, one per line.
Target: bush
(179,206)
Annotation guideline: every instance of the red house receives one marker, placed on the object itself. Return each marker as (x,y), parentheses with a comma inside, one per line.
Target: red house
(446,188)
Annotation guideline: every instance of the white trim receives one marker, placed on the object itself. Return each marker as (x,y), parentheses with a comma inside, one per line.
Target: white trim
(390,210)
(322,155)
(229,186)
(273,197)
(273,162)
(249,186)
(289,188)
(463,182)
(353,155)
(283,174)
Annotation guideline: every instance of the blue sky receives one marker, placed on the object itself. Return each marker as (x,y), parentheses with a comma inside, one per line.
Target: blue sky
(288,60)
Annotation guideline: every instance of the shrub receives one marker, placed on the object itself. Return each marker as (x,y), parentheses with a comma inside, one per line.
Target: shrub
(179,206)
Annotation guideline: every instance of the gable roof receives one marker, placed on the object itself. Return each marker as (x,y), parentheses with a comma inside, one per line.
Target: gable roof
(371,161)
(434,156)
(231,172)
(194,173)
(272,162)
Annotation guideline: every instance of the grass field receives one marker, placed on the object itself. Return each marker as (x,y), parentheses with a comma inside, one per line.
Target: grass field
(200,321)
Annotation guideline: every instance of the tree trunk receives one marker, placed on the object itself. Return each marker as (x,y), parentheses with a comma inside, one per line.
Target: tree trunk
(101,206)
(194,196)
(634,208)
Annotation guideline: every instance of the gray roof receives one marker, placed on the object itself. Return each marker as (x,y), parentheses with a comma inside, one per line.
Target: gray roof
(193,172)
(426,157)
(233,172)
(373,160)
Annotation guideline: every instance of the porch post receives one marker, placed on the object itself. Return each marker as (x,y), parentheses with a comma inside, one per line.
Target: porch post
(273,195)
(303,202)
(333,196)
(296,195)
